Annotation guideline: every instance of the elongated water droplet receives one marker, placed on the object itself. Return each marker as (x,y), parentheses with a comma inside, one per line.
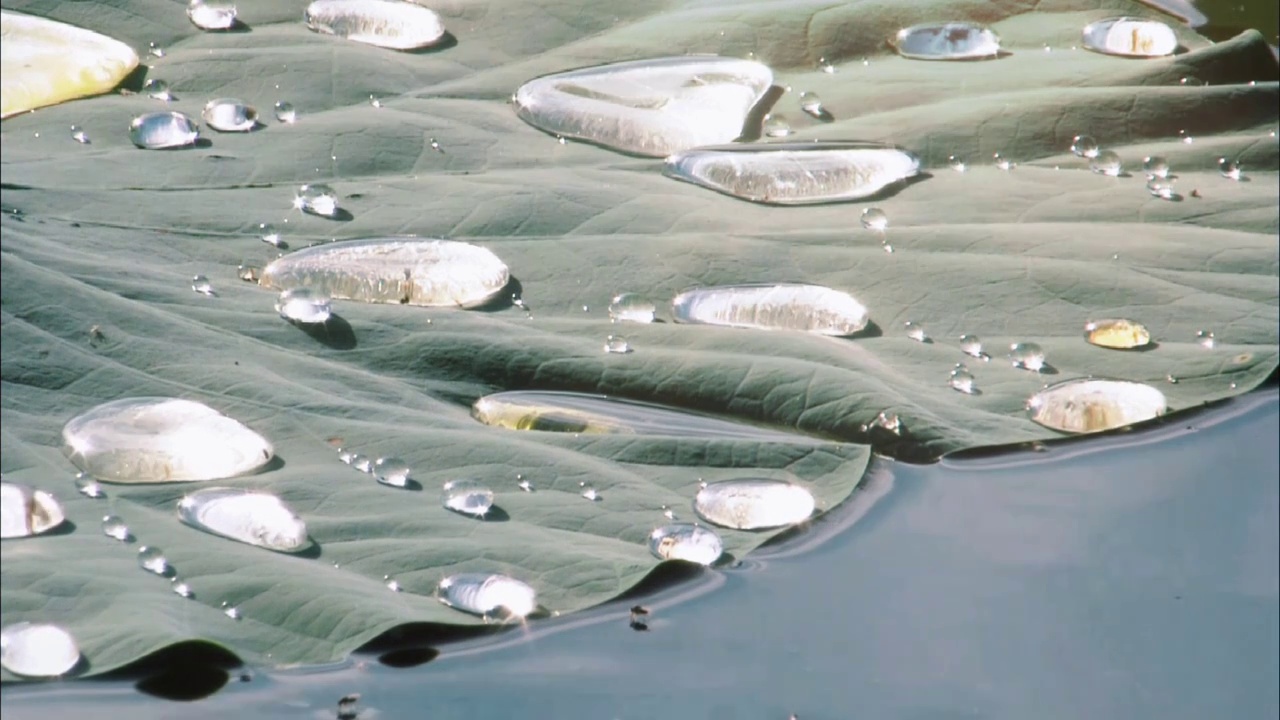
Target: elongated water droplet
(1087,405)
(157,89)
(682,541)
(152,560)
(181,588)
(37,650)
(1027,355)
(113,527)
(317,199)
(142,440)
(25,511)
(753,504)
(303,305)
(962,380)
(468,497)
(776,126)
(946,41)
(631,307)
(811,103)
(1084,146)
(1205,339)
(392,471)
(589,491)
(212,14)
(255,518)
(957,163)
(1116,333)
(807,308)
(79,135)
(616,344)
(285,112)
(1107,162)
(971,345)
(163,130)
(916,331)
(89,487)
(230,115)
(874,219)
(1002,162)
(1155,167)
(487,595)
(1230,169)
(383,23)
(1129,37)
(1162,189)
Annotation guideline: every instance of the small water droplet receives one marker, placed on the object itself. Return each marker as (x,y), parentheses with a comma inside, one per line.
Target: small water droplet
(113,527)
(589,491)
(89,487)
(1230,169)
(631,307)
(874,219)
(230,611)
(285,112)
(467,497)
(304,305)
(1171,379)
(1162,189)
(391,583)
(1187,139)
(346,455)
(1003,162)
(962,380)
(616,344)
(157,89)
(79,135)
(825,66)
(888,421)
(776,126)
(523,483)
(1182,81)
(1084,146)
(887,248)
(181,588)
(156,50)
(317,199)
(812,105)
(560,139)
(1155,166)
(1233,386)
(916,331)
(152,560)
(957,163)
(971,345)
(200,284)
(435,145)
(668,513)
(1107,162)
(375,101)
(392,471)
(1206,340)
(1028,356)
(363,463)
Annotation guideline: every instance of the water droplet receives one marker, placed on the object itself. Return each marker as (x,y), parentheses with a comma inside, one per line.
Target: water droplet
(37,649)
(825,66)
(346,455)
(89,487)
(631,307)
(201,284)
(269,234)
(887,247)
(1206,340)
(916,331)
(212,14)
(152,560)
(560,139)
(285,112)
(256,518)
(362,462)
(392,585)
(1086,405)
(113,527)
(392,471)
(887,421)
(616,344)
(962,380)
(487,594)
(467,497)
(1116,333)
(957,163)
(1027,355)
(375,101)
(668,513)
(523,483)
(79,135)
(682,541)
(1107,162)
(1171,379)
(946,41)
(163,130)
(812,105)
(25,511)
(1155,167)
(971,345)
(1003,162)
(776,126)
(230,611)
(1162,189)
(181,588)
(1230,169)
(393,25)
(304,305)
(874,219)
(807,308)
(753,504)
(157,89)
(1130,37)
(589,492)
(1084,146)
(435,146)
(156,50)
(230,115)
(317,199)
(1186,139)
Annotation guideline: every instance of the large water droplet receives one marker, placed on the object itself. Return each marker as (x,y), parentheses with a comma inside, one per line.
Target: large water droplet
(1027,355)
(113,527)
(776,126)
(79,135)
(807,308)
(946,41)
(1084,146)
(1107,162)
(1206,340)
(230,115)
(392,471)
(916,331)
(37,650)
(25,511)
(962,380)
(753,504)
(1129,37)
(317,199)
(487,595)
(408,271)
(157,89)
(631,307)
(255,518)
(142,440)
(794,173)
(383,23)
(285,112)
(1086,405)
(1155,167)
(152,560)
(212,14)
(875,219)
(647,107)
(682,541)
(303,305)
(163,130)
(616,344)
(1116,333)
(1230,169)
(201,284)
(89,487)
(468,497)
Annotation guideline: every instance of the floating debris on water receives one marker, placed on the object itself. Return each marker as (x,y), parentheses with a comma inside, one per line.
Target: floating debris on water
(1155,166)
(468,497)
(784,306)
(946,41)
(392,471)
(1084,146)
(285,112)
(488,595)
(647,107)
(113,527)
(638,621)
(252,517)
(1129,37)
(38,650)
(1117,334)
(1027,355)
(212,14)
(1088,405)
(25,511)
(316,199)
(1230,169)
(683,541)
(349,707)
(1107,162)
(802,173)
(874,219)
(753,504)
(304,305)
(400,270)
(230,115)
(152,560)
(616,344)
(163,130)
(157,439)
(631,307)
(916,332)
(392,24)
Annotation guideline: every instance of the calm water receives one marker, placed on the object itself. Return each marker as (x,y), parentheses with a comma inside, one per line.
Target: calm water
(1128,577)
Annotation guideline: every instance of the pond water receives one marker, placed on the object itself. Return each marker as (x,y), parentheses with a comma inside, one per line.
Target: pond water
(1131,576)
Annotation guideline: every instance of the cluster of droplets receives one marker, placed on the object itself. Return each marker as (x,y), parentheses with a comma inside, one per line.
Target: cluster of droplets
(389,470)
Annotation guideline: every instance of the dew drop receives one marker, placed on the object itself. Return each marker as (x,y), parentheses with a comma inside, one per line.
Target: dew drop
(1028,356)
(79,135)
(392,471)
(304,305)
(957,163)
(962,380)
(812,105)
(156,50)
(200,284)
(467,497)
(269,234)
(285,112)
(1084,146)
(1162,189)
(874,219)
(589,491)
(392,584)
(157,89)
(1155,167)
(616,344)
(631,307)
(776,126)
(181,588)
(1003,162)
(916,331)
(971,345)
(113,527)
(435,145)
(317,199)
(89,487)
(1107,162)
(361,462)
(230,611)
(1205,339)
(152,560)
(1230,169)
